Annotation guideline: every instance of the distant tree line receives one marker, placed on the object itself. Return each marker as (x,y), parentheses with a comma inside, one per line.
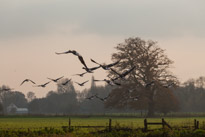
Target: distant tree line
(191,95)
(190,98)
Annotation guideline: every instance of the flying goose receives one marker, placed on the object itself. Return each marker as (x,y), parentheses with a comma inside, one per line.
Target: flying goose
(66,52)
(91,97)
(105,67)
(81,84)
(66,82)
(55,80)
(27,80)
(81,75)
(43,85)
(74,52)
(103,99)
(90,70)
(124,73)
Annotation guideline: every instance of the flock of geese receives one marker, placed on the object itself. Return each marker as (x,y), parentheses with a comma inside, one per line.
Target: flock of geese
(109,81)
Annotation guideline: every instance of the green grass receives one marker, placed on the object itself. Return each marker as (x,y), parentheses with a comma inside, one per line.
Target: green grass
(13,126)
(58,122)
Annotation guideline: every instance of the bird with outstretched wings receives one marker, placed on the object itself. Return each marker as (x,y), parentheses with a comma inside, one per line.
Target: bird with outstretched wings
(106,67)
(55,80)
(27,80)
(43,85)
(81,84)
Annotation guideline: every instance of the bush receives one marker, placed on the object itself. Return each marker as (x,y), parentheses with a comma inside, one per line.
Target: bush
(199,133)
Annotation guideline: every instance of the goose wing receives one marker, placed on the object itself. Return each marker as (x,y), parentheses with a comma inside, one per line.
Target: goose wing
(97,80)
(79,74)
(85,82)
(116,72)
(94,68)
(32,81)
(113,64)
(51,79)
(59,78)
(95,62)
(66,52)
(82,61)
(127,72)
(77,83)
(46,83)
(24,82)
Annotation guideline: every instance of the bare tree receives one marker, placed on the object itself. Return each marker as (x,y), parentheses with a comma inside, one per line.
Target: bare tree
(31,96)
(148,79)
(200,82)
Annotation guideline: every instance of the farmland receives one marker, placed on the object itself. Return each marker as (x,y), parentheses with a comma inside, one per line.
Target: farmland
(40,125)
(21,122)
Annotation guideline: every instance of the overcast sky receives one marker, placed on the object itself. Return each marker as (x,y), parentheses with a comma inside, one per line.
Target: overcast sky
(32,31)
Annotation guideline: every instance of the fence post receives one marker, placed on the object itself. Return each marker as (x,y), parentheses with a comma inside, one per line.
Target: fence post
(69,124)
(145,124)
(197,123)
(110,125)
(163,123)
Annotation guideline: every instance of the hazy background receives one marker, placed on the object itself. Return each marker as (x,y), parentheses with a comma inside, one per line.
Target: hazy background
(32,31)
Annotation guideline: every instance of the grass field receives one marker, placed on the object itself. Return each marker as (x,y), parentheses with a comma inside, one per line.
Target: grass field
(26,122)
(40,126)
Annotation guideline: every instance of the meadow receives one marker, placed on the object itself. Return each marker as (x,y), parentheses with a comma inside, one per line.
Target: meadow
(37,122)
(53,126)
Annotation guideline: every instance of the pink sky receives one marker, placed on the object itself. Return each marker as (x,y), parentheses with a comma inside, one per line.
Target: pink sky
(31,33)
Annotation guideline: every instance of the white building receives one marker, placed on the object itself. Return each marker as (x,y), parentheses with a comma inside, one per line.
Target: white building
(13,109)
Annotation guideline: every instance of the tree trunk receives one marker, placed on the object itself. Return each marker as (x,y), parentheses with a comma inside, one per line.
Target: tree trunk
(151,108)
